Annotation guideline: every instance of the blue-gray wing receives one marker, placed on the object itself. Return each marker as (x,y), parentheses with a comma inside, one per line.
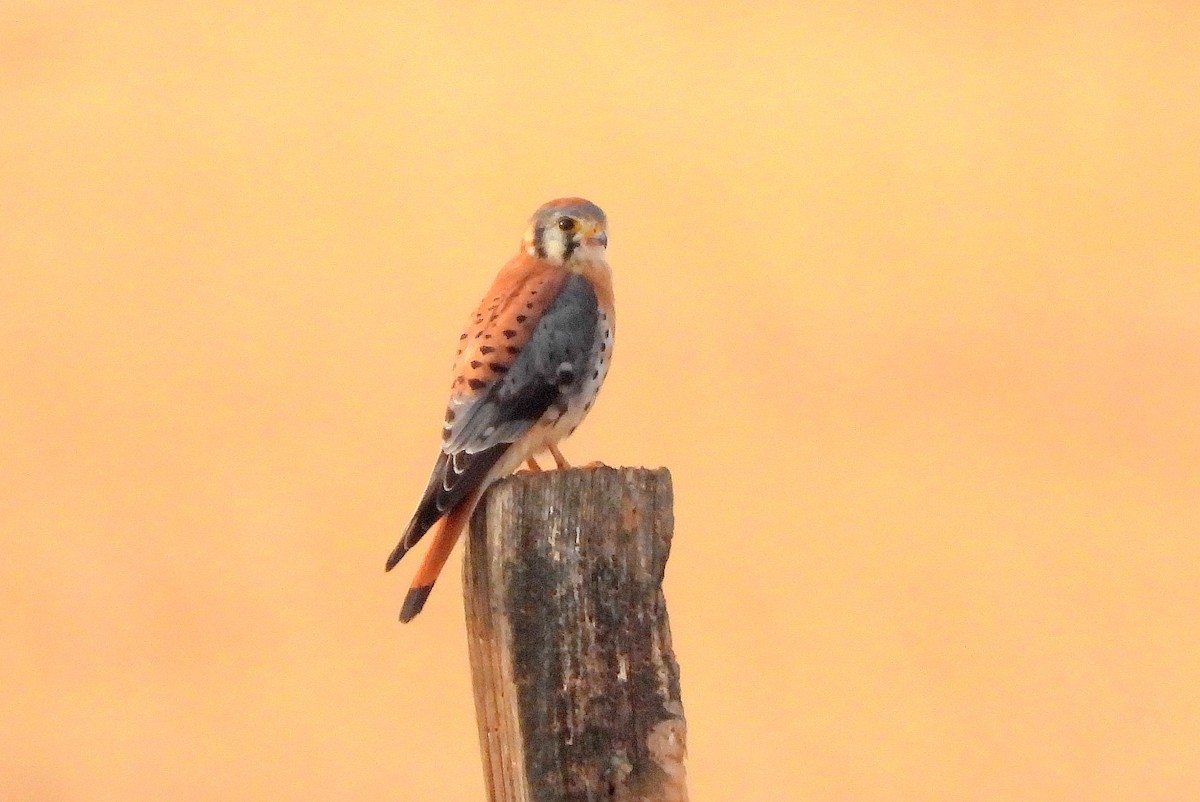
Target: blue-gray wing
(551,361)
(480,428)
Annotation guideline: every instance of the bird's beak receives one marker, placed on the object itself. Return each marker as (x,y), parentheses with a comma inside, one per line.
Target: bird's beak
(597,238)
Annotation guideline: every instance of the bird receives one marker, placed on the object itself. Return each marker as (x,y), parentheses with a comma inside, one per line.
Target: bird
(530,362)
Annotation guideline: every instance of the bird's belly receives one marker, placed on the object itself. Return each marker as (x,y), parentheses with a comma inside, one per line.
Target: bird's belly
(563,418)
(578,406)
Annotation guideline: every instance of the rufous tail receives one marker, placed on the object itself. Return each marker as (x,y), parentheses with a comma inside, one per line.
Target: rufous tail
(448,530)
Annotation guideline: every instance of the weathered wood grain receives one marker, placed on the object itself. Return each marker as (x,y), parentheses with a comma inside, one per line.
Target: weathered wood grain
(576,684)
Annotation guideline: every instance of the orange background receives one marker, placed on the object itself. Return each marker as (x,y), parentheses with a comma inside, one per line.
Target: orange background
(909,302)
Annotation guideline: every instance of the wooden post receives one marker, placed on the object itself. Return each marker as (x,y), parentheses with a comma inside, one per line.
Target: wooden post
(576,684)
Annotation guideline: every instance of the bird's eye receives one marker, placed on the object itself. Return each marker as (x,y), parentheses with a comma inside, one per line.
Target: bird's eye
(566,224)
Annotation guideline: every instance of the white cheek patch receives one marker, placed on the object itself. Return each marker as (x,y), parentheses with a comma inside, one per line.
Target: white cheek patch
(555,248)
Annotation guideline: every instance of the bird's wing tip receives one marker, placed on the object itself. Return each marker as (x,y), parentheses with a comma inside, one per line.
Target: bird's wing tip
(395,557)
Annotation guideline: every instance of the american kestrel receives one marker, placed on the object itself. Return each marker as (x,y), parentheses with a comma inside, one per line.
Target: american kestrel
(529,365)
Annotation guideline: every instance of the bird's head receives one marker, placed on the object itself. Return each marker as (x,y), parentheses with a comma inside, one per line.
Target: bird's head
(567,232)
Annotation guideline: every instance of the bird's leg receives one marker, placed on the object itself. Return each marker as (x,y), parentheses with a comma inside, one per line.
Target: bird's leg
(559,459)
(531,466)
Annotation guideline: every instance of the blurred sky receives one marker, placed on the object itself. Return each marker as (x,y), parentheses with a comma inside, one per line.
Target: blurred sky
(908,300)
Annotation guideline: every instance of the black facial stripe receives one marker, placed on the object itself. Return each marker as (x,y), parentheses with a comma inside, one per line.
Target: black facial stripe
(538,245)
